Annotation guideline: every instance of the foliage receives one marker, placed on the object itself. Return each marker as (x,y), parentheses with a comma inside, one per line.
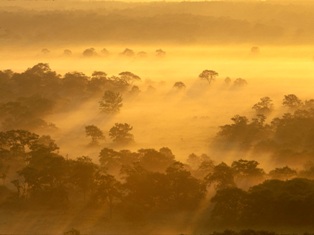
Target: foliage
(242,133)
(239,82)
(208,75)
(179,85)
(129,77)
(221,177)
(95,133)
(120,133)
(264,107)
(111,102)
(292,101)
(283,173)
(269,203)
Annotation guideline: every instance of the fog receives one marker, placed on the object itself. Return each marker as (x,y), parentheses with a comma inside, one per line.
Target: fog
(156,117)
(184,120)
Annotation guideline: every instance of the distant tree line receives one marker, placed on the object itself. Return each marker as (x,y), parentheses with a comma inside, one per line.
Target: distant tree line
(192,23)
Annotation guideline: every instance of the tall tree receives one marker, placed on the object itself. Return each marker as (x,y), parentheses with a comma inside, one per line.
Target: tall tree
(265,106)
(208,75)
(95,133)
(111,102)
(292,101)
(120,133)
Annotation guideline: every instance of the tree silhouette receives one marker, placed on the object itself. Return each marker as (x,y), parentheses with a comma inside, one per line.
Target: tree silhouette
(247,168)
(89,52)
(82,174)
(120,133)
(111,102)
(99,75)
(128,52)
(95,133)
(105,52)
(265,106)
(160,53)
(153,160)
(283,173)
(221,177)
(107,188)
(208,75)
(67,52)
(292,101)
(227,81)
(129,77)
(142,54)
(239,82)
(179,85)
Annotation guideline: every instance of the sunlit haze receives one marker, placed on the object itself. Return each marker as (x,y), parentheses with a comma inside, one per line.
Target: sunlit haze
(156,117)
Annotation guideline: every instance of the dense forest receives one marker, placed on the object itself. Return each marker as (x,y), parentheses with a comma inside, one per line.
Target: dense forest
(123,190)
(71,23)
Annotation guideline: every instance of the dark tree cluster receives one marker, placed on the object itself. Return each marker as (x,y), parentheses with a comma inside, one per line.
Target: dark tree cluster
(148,181)
(148,184)
(27,98)
(273,203)
(288,137)
(40,80)
(119,133)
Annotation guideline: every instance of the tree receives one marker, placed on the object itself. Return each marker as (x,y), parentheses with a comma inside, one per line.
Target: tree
(39,79)
(160,53)
(107,188)
(44,173)
(135,90)
(247,168)
(247,173)
(111,102)
(45,51)
(179,85)
(89,52)
(128,52)
(230,205)
(95,133)
(16,141)
(153,160)
(185,191)
(283,173)
(227,81)
(105,52)
(82,174)
(98,82)
(75,83)
(120,133)
(205,168)
(239,82)
(208,75)
(265,106)
(99,75)
(142,54)
(292,101)
(110,160)
(221,177)
(67,52)
(129,77)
